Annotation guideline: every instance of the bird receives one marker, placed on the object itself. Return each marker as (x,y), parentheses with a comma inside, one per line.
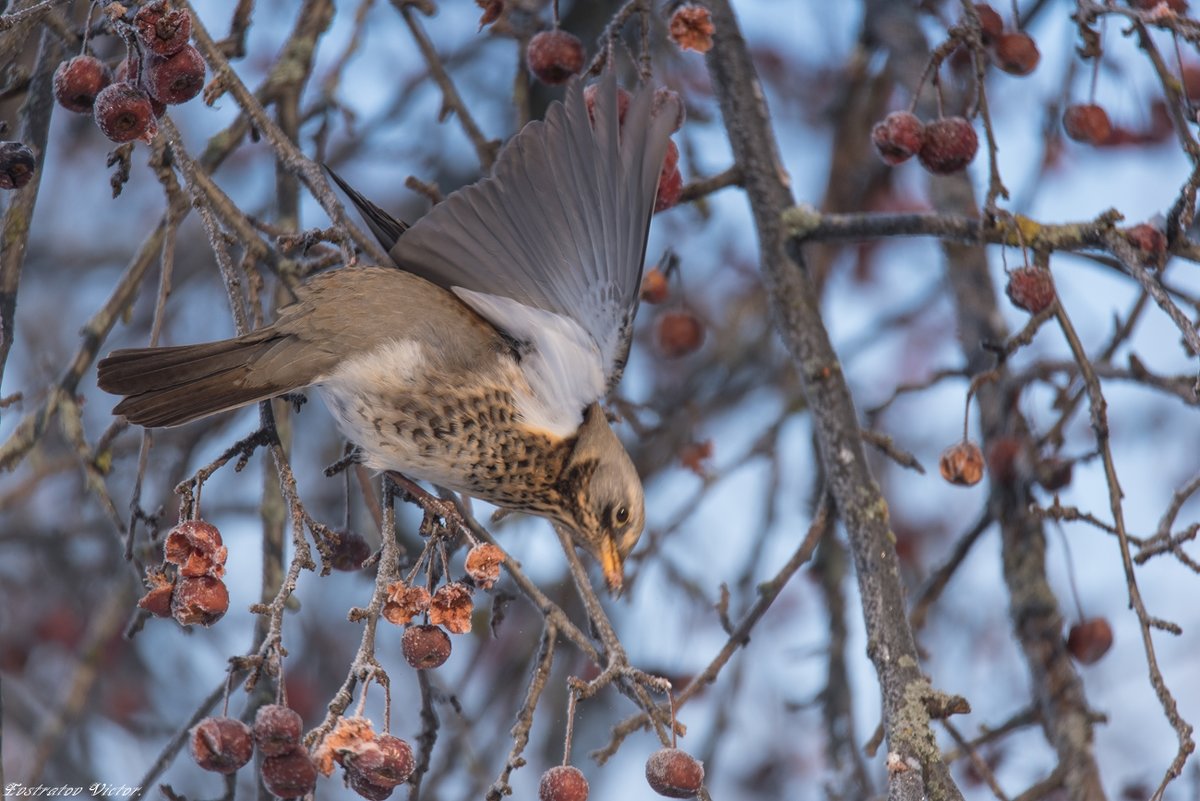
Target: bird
(478,361)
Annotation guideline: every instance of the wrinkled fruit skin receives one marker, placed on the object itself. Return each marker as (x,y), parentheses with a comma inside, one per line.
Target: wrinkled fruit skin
(196,547)
(372,792)
(221,745)
(78,81)
(898,137)
(16,165)
(1090,640)
(199,600)
(124,113)
(1016,53)
(678,332)
(388,762)
(1087,123)
(176,78)
(277,730)
(962,464)
(948,146)
(160,30)
(674,773)
(1030,288)
(554,56)
(563,783)
(290,775)
(425,647)
(692,28)
(350,551)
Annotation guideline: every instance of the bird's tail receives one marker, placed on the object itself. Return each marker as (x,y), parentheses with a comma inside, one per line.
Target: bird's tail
(175,385)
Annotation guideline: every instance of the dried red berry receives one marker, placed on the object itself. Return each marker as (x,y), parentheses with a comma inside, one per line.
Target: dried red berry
(16,165)
(670,189)
(1088,123)
(1016,53)
(949,144)
(678,332)
(1054,473)
(221,744)
(199,599)
(962,464)
(404,602)
(554,56)
(991,25)
(692,28)
(1030,288)
(898,137)
(176,78)
(1149,239)
(665,98)
(196,547)
(162,30)
(589,100)
(483,564)
(674,773)
(290,775)
(372,792)
(451,607)
(277,730)
(158,600)
(655,287)
(1089,640)
(78,81)
(124,113)
(563,783)
(350,551)
(349,736)
(387,762)
(425,647)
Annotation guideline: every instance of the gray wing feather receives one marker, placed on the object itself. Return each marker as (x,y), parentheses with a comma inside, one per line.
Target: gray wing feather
(561,224)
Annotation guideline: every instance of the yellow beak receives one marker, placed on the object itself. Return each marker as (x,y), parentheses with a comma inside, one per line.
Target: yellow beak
(611,564)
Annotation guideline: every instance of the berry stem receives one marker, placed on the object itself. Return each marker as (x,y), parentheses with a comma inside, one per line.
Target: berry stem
(571,702)
(671,701)
(554,7)
(1070,560)
(1096,63)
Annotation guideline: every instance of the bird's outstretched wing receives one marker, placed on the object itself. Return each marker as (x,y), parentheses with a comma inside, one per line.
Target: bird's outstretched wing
(550,247)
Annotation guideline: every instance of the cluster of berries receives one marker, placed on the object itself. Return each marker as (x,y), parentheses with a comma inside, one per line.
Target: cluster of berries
(670,772)
(448,608)
(191,590)
(943,146)
(373,763)
(161,69)
(1013,51)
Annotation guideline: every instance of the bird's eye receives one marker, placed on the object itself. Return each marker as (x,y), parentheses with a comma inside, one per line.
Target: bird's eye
(621,516)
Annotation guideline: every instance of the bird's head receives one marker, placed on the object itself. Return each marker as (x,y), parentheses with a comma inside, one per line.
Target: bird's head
(603,504)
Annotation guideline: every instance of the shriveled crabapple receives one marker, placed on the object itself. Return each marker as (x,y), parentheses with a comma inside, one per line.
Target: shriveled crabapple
(350,551)
(199,600)
(78,81)
(176,78)
(948,145)
(483,564)
(962,464)
(124,113)
(451,607)
(162,30)
(221,744)
(385,762)
(674,773)
(655,287)
(898,137)
(404,602)
(1087,123)
(277,729)
(1016,53)
(1089,640)
(563,783)
(290,775)
(692,28)
(196,547)
(670,189)
(160,588)
(425,647)
(1030,288)
(678,332)
(16,165)
(554,56)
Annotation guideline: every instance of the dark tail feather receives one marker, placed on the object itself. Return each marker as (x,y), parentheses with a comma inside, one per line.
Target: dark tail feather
(387,229)
(172,386)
